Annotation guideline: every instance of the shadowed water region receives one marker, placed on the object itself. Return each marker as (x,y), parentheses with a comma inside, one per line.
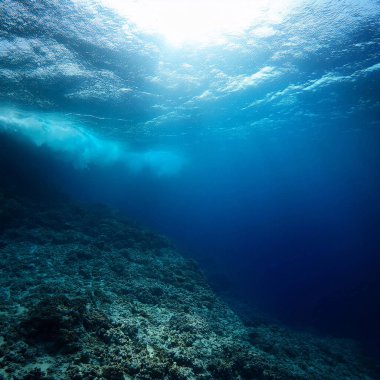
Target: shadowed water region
(189,190)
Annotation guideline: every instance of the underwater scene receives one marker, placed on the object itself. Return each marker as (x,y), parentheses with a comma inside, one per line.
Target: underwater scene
(190,189)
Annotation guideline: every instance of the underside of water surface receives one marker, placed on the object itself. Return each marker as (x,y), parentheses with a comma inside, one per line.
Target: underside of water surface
(189,189)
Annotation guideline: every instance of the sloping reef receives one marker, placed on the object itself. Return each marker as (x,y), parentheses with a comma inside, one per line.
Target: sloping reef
(87,294)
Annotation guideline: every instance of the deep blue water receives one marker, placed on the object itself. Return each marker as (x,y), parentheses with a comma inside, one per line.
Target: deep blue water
(258,156)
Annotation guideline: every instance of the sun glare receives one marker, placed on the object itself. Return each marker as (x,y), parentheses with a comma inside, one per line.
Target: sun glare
(201,22)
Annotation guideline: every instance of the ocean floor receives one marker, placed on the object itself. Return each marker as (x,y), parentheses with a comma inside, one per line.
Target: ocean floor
(88,294)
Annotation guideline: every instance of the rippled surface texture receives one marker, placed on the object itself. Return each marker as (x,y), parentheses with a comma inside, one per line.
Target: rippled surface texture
(290,66)
(246,131)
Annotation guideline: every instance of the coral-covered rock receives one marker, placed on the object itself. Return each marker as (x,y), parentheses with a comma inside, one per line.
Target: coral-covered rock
(87,294)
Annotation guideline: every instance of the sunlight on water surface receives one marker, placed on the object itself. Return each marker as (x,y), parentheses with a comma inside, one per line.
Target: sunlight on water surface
(200,22)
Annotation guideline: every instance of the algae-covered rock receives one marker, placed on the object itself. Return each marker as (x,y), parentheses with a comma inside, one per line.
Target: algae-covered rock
(87,294)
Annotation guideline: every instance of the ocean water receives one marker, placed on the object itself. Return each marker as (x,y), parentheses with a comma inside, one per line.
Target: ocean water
(246,132)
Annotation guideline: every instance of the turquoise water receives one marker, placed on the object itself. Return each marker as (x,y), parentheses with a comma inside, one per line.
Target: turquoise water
(248,134)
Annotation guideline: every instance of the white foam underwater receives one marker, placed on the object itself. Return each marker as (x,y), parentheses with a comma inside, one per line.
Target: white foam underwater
(74,143)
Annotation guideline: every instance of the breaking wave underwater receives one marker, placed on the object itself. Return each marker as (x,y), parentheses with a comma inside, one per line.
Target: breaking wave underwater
(246,132)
